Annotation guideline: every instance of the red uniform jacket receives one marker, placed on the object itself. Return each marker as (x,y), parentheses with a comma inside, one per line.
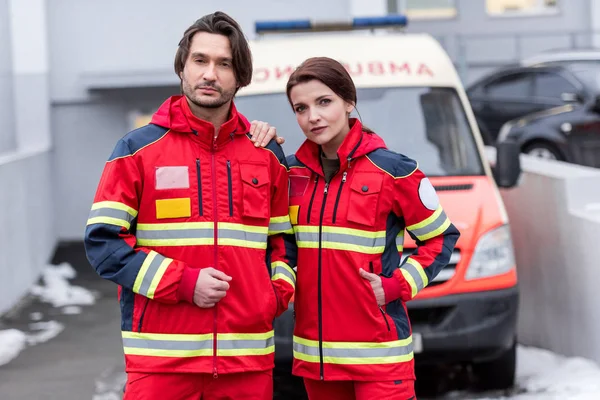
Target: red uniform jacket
(172,200)
(357,220)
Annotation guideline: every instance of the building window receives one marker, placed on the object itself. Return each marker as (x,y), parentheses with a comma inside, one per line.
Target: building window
(521,7)
(428,9)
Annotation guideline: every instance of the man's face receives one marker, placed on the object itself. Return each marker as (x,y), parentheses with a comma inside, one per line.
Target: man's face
(207,78)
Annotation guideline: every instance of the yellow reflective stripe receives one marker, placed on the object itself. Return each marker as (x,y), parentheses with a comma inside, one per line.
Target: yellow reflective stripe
(354,361)
(410,281)
(343,231)
(245,336)
(157,277)
(354,352)
(426,221)
(167,345)
(109,221)
(280,225)
(245,344)
(175,226)
(335,238)
(111,213)
(433,226)
(142,272)
(419,269)
(281,270)
(116,206)
(243,228)
(354,345)
(150,274)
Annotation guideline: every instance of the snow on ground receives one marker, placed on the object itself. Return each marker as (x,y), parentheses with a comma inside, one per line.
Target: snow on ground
(55,289)
(543,375)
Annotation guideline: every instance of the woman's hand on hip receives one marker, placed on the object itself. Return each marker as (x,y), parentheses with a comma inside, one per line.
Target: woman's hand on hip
(375,281)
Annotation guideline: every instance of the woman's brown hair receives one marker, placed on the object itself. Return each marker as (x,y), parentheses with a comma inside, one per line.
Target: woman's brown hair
(329,72)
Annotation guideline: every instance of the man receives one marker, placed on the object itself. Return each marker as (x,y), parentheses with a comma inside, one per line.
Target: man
(190,219)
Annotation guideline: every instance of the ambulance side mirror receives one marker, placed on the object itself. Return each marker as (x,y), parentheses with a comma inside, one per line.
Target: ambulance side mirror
(508,164)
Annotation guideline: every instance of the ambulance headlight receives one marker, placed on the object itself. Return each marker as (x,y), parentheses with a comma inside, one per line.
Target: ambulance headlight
(494,254)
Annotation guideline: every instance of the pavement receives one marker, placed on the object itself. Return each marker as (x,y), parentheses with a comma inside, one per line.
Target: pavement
(85,360)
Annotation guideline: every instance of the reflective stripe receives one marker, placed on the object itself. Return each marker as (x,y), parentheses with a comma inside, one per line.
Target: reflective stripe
(239,235)
(354,353)
(280,270)
(400,241)
(245,344)
(112,213)
(415,275)
(202,233)
(335,238)
(175,234)
(433,226)
(280,225)
(167,345)
(150,274)
(190,345)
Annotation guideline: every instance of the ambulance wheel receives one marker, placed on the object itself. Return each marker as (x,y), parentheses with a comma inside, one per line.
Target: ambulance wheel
(498,374)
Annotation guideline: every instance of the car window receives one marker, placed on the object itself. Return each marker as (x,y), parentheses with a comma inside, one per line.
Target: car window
(552,85)
(511,86)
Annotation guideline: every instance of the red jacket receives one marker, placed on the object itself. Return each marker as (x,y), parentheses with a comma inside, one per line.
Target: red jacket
(357,220)
(173,200)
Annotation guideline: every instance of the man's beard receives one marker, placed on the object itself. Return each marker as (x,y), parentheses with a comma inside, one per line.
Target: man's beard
(225,96)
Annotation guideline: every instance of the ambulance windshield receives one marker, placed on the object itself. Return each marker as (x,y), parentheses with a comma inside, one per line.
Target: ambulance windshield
(426,124)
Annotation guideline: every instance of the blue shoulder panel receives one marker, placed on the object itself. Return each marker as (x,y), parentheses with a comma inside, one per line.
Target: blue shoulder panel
(395,164)
(137,139)
(293,161)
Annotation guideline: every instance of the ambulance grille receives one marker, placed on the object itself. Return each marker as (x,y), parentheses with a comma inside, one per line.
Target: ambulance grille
(453,188)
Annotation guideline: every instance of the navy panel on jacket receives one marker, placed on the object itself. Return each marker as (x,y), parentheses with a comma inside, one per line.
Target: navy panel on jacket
(395,164)
(137,139)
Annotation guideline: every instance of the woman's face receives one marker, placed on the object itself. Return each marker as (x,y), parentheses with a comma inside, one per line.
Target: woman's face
(321,114)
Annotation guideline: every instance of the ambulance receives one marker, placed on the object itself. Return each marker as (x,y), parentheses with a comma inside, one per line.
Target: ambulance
(411,95)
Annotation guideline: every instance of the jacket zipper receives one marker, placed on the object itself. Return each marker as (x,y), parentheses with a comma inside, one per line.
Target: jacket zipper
(216,252)
(200,210)
(310,204)
(229,188)
(320,305)
(142,316)
(339,193)
(380,308)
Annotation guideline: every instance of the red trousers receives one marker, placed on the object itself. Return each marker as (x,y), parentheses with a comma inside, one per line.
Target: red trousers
(242,386)
(359,390)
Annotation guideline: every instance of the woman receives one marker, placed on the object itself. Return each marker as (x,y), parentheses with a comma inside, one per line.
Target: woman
(350,201)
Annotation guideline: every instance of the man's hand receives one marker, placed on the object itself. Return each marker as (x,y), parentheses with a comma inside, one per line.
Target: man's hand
(261,133)
(211,287)
(375,281)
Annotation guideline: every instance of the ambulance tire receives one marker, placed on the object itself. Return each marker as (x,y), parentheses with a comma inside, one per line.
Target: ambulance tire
(498,374)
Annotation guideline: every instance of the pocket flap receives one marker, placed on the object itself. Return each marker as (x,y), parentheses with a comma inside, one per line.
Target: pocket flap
(255,175)
(366,182)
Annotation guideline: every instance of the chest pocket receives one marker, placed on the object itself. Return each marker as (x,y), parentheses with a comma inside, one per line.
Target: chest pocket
(365,189)
(255,187)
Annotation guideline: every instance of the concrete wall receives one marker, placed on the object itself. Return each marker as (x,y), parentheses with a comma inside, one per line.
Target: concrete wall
(27,236)
(555,223)
(27,220)
(7,134)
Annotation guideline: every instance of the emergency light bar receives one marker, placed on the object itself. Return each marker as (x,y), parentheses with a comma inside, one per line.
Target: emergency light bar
(306,25)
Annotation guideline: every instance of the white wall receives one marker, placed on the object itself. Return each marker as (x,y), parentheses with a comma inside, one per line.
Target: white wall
(27,220)
(27,237)
(555,220)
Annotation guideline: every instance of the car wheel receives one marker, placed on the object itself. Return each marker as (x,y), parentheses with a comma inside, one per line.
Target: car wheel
(498,374)
(543,150)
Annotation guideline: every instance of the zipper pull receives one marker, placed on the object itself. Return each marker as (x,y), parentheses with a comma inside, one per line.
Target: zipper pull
(215,374)
(349,161)
(344,176)
(381,309)
(326,187)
